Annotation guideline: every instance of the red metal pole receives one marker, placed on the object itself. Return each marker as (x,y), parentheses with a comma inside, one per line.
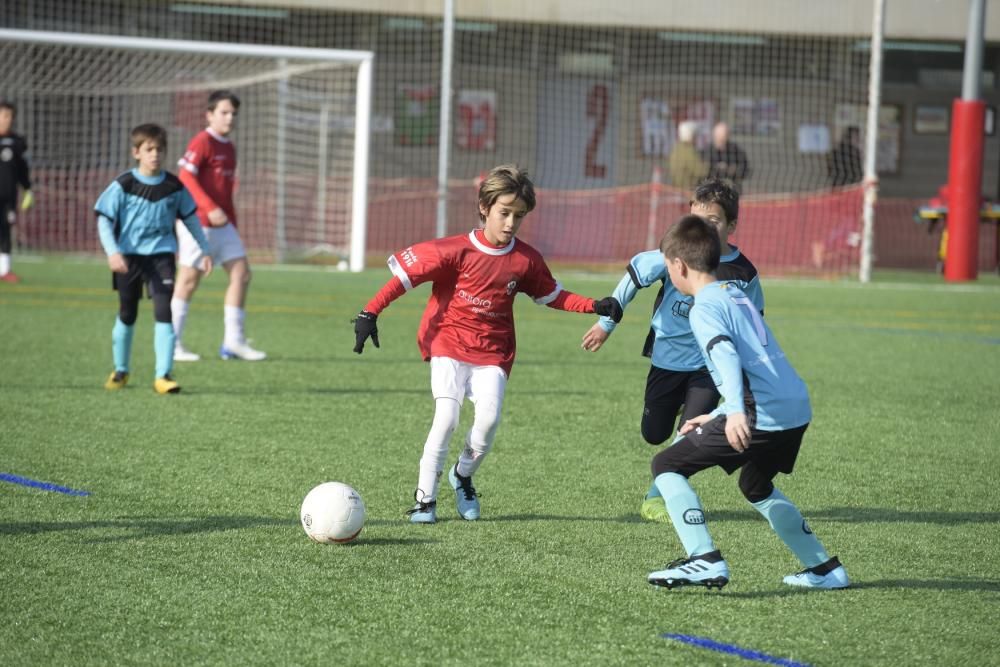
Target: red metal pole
(965,175)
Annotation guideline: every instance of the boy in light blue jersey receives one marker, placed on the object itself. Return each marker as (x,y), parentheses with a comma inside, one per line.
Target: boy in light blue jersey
(677,374)
(135,222)
(757,429)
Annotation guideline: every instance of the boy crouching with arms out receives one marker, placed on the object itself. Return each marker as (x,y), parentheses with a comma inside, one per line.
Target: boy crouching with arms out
(757,429)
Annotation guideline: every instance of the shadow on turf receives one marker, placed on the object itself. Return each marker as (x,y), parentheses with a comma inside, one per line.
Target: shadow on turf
(869,515)
(146,527)
(982,585)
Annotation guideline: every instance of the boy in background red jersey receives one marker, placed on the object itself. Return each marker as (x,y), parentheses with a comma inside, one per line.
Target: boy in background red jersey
(467,330)
(208,171)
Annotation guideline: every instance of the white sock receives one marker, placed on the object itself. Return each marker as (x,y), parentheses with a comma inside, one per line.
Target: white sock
(4,263)
(480,438)
(179,313)
(446,412)
(233,319)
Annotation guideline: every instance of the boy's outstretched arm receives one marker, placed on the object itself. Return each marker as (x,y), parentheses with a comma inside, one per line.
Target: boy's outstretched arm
(574,303)
(365,324)
(595,337)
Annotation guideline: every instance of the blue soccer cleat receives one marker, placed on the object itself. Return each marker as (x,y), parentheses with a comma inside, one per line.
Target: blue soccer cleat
(708,570)
(423,512)
(465,495)
(829,575)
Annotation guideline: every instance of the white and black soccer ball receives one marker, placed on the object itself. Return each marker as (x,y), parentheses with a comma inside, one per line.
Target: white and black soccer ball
(332,513)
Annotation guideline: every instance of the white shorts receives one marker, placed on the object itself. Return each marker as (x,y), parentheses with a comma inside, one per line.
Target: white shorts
(224,244)
(455,379)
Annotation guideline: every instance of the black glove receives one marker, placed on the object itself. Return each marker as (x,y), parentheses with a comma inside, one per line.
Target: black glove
(364,328)
(609,307)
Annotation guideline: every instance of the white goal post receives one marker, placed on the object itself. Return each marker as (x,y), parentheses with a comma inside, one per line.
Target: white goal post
(302,137)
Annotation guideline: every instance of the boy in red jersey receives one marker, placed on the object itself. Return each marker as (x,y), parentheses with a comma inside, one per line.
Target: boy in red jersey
(208,171)
(467,331)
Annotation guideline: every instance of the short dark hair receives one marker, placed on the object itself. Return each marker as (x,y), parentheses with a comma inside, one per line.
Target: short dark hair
(219,95)
(695,242)
(148,132)
(717,191)
(504,180)
(7,104)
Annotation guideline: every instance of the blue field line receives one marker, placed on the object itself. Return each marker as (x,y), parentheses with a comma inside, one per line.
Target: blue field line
(44,486)
(746,654)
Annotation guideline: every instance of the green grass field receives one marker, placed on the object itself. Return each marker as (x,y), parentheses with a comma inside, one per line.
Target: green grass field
(189,551)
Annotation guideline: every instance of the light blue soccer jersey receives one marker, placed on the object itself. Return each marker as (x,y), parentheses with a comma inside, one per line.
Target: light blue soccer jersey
(670,345)
(136,214)
(749,367)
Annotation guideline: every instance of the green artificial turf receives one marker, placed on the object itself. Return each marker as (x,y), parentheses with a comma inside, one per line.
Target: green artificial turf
(188,550)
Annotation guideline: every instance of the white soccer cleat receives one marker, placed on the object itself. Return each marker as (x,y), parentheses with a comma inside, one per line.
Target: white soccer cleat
(829,575)
(241,351)
(708,570)
(181,353)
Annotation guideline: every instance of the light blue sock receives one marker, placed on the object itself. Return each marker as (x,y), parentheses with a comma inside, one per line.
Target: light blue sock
(654,492)
(686,513)
(163,344)
(787,522)
(121,344)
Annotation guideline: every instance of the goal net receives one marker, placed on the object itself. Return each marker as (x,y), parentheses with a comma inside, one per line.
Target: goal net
(591,108)
(301,136)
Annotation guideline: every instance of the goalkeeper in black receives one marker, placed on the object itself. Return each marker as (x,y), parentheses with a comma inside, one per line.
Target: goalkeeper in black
(13,172)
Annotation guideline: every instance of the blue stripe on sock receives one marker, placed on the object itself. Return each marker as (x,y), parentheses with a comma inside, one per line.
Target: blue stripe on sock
(44,486)
(746,654)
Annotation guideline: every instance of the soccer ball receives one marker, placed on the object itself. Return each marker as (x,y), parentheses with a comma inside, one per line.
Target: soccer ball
(332,513)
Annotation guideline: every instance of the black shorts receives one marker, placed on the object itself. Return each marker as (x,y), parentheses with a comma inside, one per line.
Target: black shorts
(666,392)
(156,272)
(770,451)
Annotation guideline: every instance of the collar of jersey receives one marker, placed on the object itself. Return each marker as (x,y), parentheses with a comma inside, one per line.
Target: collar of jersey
(731,256)
(215,135)
(149,180)
(488,249)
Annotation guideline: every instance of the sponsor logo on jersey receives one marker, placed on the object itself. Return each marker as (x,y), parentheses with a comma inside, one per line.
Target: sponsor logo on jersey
(511,287)
(694,517)
(475,300)
(681,308)
(805,528)
(6,154)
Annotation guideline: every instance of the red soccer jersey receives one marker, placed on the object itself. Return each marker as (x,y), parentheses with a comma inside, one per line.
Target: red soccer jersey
(470,315)
(208,171)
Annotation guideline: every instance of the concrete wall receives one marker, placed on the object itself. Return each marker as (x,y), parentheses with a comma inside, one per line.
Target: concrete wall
(916,19)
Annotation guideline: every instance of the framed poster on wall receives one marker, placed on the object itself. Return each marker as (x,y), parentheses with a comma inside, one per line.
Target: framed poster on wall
(930,119)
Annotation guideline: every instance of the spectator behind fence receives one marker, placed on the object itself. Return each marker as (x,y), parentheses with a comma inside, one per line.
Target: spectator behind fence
(686,166)
(843,163)
(726,160)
